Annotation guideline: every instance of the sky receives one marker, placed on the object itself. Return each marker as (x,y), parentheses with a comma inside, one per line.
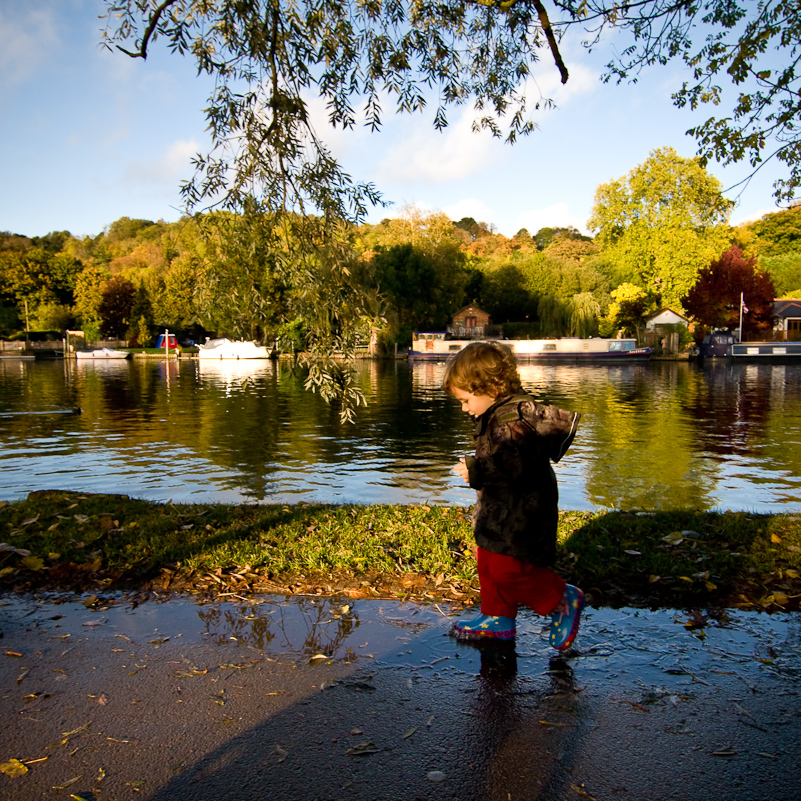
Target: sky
(88,136)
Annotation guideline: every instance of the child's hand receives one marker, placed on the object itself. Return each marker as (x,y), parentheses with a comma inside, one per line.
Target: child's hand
(461,469)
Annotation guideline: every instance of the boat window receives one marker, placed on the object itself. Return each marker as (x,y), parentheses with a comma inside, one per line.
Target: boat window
(616,345)
(454,347)
(628,345)
(549,347)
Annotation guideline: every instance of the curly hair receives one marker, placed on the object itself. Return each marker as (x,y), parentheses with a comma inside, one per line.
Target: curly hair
(483,368)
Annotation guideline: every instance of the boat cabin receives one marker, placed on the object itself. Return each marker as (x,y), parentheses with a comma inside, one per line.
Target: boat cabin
(717,344)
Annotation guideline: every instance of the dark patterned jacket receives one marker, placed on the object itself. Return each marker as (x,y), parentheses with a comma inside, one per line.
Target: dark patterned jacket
(516,512)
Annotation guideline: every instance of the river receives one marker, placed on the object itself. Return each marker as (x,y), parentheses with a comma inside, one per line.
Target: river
(652,436)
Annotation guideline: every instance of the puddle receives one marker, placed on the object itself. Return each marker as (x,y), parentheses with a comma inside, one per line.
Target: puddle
(651,647)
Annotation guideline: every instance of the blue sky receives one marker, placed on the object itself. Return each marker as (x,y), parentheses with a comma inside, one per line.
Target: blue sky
(89,136)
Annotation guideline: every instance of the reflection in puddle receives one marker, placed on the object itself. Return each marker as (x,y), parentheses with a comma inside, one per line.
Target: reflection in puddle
(649,648)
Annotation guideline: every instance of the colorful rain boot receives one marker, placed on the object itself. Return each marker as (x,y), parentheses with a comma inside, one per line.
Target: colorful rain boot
(485,627)
(566,617)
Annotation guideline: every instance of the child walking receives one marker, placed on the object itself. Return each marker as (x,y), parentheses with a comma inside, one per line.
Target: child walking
(516,512)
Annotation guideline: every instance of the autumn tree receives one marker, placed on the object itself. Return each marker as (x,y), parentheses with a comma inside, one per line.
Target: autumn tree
(715,298)
(662,223)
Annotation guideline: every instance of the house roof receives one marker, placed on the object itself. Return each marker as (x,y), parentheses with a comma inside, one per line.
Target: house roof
(787,307)
(471,307)
(667,309)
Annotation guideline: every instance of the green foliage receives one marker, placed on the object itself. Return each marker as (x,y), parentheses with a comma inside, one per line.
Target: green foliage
(628,310)
(505,295)
(662,223)
(584,313)
(785,272)
(554,315)
(778,233)
(754,46)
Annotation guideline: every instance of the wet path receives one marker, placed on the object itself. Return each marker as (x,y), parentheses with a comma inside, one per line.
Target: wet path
(304,699)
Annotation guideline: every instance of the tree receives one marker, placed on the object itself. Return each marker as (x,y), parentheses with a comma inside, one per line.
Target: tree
(777,234)
(662,223)
(584,313)
(753,46)
(88,297)
(115,306)
(627,310)
(270,58)
(715,299)
(505,296)
(450,52)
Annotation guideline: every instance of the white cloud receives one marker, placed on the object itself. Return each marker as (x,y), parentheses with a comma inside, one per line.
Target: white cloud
(555,216)
(26,41)
(470,207)
(425,155)
(165,171)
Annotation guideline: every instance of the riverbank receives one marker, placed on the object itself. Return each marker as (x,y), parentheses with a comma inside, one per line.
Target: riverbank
(80,542)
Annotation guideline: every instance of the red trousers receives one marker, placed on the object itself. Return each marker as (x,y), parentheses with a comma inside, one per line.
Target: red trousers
(506,583)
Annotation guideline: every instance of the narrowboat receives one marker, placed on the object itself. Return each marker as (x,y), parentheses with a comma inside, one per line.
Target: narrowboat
(433,346)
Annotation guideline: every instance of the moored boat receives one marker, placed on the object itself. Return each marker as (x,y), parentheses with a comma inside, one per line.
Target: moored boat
(228,349)
(434,346)
(102,353)
(765,351)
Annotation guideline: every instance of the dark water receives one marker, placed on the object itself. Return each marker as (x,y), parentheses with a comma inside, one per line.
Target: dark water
(652,436)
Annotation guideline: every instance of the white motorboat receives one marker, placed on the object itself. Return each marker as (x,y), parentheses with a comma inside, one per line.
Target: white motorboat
(228,349)
(102,353)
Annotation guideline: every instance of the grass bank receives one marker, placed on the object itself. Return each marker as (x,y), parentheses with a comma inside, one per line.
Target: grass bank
(69,541)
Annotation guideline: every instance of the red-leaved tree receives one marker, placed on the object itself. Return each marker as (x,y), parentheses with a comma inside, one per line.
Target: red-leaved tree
(715,299)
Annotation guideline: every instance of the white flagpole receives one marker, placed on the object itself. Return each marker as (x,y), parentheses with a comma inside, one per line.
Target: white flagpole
(741,317)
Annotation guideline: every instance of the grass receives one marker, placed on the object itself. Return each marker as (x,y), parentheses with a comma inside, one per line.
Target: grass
(80,542)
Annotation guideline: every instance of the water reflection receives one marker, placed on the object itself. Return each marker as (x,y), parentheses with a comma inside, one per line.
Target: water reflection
(312,627)
(652,436)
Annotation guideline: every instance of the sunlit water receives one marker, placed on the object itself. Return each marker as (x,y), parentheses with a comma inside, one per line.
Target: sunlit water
(652,436)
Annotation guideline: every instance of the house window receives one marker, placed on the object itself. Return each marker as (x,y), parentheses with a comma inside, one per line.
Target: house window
(469,322)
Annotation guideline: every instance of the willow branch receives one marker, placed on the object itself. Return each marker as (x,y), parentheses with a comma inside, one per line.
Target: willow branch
(552,43)
(154,21)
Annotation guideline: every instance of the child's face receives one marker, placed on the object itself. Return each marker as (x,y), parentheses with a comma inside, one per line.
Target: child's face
(474,405)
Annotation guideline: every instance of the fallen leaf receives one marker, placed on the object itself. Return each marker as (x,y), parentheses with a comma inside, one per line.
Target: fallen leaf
(773,537)
(318,658)
(33,563)
(13,768)
(409,733)
(280,752)
(363,749)
(13,653)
